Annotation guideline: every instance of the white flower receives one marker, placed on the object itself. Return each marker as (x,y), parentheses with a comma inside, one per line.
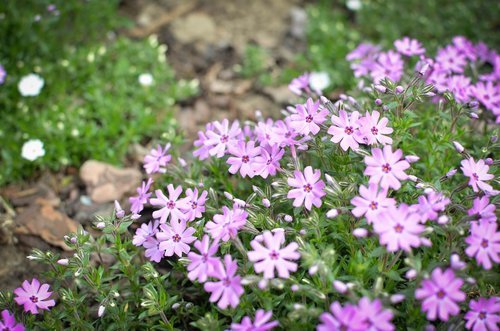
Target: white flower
(30,85)
(146,79)
(32,150)
(354,4)
(319,81)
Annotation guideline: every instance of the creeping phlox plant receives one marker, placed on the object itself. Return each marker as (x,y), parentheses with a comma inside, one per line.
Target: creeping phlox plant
(373,212)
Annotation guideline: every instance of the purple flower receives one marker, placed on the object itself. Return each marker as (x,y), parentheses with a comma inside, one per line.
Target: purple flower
(175,238)
(347,318)
(483,209)
(157,160)
(429,206)
(3,74)
(138,202)
(261,322)
(399,228)
(226,226)
(362,51)
(451,60)
(487,93)
(196,204)
(386,168)
(409,47)
(202,264)
(268,162)
(345,129)
(389,64)
(145,232)
(228,289)
(308,117)
(153,251)
(202,151)
(33,296)
(465,46)
(299,84)
(484,314)
(263,130)
(243,158)
(172,206)
(309,188)
(9,322)
(478,173)
(440,295)
(439,78)
(460,86)
(371,202)
(377,318)
(221,136)
(374,130)
(283,134)
(272,256)
(484,243)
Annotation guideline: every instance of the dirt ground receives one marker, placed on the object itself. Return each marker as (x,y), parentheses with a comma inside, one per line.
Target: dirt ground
(206,41)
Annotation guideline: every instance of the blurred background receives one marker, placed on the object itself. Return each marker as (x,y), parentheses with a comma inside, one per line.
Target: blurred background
(107,80)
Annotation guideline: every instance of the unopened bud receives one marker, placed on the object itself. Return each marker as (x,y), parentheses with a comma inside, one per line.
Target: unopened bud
(101,310)
(413,178)
(176,306)
(380,88)
(294,288)
(341,287)
(430,94)
(182,162)
(263,283)
(288,218)
(313,270)
(100,225)
(455,262)
(458,147)
(451,172)
(119,212)
(378,102)
(399,89)
(488,161)
(412,158)
(73,240)
(410,274)
(443,219)
(302,232)
(473,104)
(474,116)
(494,139)
(228,195)
(332,213)
(360,232)
(266,203)
(63,261)
(397,298)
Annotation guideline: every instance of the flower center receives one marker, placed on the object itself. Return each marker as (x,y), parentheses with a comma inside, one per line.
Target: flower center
(348,130)
(34,299)
(441,294)
(171,204)
(269,161)
(274,255)
(204,258)
(307,188)
(309,119)
(6,328)
(224,139)
(484,243)
(288,134)
(373,205)
(386,168)
(398,228)
(176,238)
(194,205)
(374,131)
(245,159)
(482,315)
(226,282)
(476,177)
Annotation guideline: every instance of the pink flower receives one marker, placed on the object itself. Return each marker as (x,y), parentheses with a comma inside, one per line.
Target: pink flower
(347,318)
(226,226)
(33,296)
(484,243)
(386,168)
(9,322)
(196,204)
(172,206)
(228,289)
(487,93)
(409,47)
(243,158)
(345,129)
(309,188)
(144,232)
(389,64)
(221,136)
(371,202)
(202,151)
(460,86)
(202,264)
(451,60)
(478,173)
(268,162)
(374,130)
(307,118)
(440,294)
(138,202)
(261,322)
(284,135)
(483,209)
(299,84)
(175,238)
(377,318)
(429,206)
(399,228)
(153,251)
(157,160)
(484,314)
(272,256)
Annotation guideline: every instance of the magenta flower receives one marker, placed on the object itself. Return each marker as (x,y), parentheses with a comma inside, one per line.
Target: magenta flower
(399,228)
(299,84)
(228,290)
(261,322)
(483,209)
(487,93)
(202,152)
(268,162)
(309,188)
(478,173)
(386,168)
(347,318)
(409,47)
(371,202)
(440,294)
(202,264)
(271,256)
(153,251)
(373,130)
(307,118)
(263,130)
(172,206)
(196,204)
(363,50)
(460,86)
(3,74)
(145,232)
(9,321)
(376,317)
(33,296)
(157,160)
(389,64)
(484,243)
(243,158)
(175,238)
(138,202)
(451,60)
(484,314)
(226,226)
(221,136)
(345,129)
(429,206)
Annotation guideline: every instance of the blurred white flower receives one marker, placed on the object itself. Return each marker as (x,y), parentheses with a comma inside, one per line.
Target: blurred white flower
(30,85)
(354,4)
(32,150)
(319,81)
(146,79)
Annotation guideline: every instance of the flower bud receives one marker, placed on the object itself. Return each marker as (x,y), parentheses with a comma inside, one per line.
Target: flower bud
(430,94)
(488,161)
(412,158)
(455,262)
(288,218)
(119,212)
(189,305)
(360,232)
(385,108)
(474,116)
(228,195)
(101,310)
(100,225)
(380,88)
(473,104)
(302,232)
(341,287)
(73,240)
(458,147)
(182,162)
(451,172)
(378,102)
(266,203)
(313,270)
(332,213)
(412,178)
(423,70)
(399,89)
(176,306)
(430,327)
(494,139)
(397,298)
(443,219)
(420,185)
(63,262)
(428,190)
(263,284)
(410,274)
(294,288)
